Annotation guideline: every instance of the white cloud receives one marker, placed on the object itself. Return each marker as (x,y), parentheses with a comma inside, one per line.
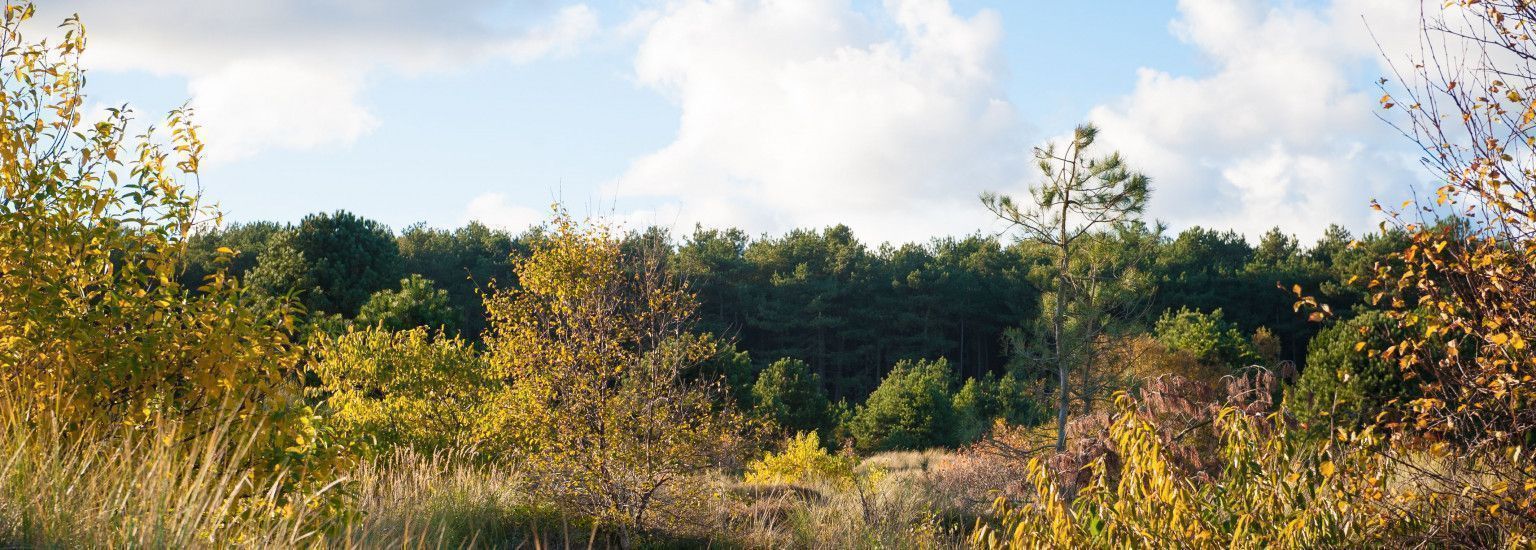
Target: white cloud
(495,210)
(1283,132)
(810,112)
(289,73)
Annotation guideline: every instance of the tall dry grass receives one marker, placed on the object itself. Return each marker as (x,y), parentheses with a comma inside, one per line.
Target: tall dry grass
(178,485)
(168,485)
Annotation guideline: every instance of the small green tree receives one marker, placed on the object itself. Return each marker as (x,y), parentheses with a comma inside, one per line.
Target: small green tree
(911,409)
(981,401)
(788,393)
(335,261)
(1346,381)
(1208,337)
(418,303)
(1079,196)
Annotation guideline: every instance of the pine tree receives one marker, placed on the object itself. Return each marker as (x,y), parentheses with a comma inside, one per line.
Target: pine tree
(1078,196)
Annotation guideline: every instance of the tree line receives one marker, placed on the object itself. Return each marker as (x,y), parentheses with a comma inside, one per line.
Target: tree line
(850,310)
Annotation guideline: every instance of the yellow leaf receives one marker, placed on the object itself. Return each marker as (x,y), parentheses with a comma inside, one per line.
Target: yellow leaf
(1327,468)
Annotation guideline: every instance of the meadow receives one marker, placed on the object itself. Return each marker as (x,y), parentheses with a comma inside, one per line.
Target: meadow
(170,381)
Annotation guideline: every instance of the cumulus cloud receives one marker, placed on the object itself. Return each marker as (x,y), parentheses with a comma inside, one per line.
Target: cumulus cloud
(289,73)
(812,112)
(1282,132)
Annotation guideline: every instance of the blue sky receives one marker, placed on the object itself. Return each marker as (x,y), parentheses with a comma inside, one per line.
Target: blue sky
(765,114)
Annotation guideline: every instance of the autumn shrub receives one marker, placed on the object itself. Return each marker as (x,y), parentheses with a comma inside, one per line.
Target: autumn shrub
(803,460)
(970,479)
(1274,489)
(596,345)
(415,388)
(95,328)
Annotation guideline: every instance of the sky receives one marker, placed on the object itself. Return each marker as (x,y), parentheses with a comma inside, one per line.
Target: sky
(889,116)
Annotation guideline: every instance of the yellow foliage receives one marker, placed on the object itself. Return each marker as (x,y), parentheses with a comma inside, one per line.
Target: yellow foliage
(414,388)
(594,345)
(93,226)
(1276,490)
(803,460)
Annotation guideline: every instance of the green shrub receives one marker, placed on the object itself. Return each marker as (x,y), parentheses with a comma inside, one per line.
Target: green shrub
(1346,381)
(788,393)
(911,409)
(1209,337)
(983,400)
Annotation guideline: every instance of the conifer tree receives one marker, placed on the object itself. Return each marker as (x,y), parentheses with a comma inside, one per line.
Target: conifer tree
(1078,195)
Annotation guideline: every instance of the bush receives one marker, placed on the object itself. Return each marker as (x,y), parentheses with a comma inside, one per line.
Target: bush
(1209,337)
(911,409)
(788,393)
(1277,490)
(1347,382)
(982,400)
(802,461)
(94,219)
(410,388)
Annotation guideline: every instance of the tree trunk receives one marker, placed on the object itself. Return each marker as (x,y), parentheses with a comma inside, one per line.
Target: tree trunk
(1059,328)
(1060,321)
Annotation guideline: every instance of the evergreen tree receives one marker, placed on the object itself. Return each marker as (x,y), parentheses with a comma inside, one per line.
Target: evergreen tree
(334,261)
(1078,195)
(911,409)
(788,393)
(417,303)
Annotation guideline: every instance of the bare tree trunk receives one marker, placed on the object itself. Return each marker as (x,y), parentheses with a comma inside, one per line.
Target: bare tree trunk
(1060,321)
(1059,328)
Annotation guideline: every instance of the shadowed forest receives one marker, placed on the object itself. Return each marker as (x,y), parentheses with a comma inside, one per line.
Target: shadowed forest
(1085,378)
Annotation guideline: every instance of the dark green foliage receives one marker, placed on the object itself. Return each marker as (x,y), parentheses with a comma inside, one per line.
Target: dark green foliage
(733,367)
(788,393)
(247,240)
(1208,337)
(826,298)
(911,409)
(417,303)
(462,262)
(334,262)
(1346,383)
(981,401)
